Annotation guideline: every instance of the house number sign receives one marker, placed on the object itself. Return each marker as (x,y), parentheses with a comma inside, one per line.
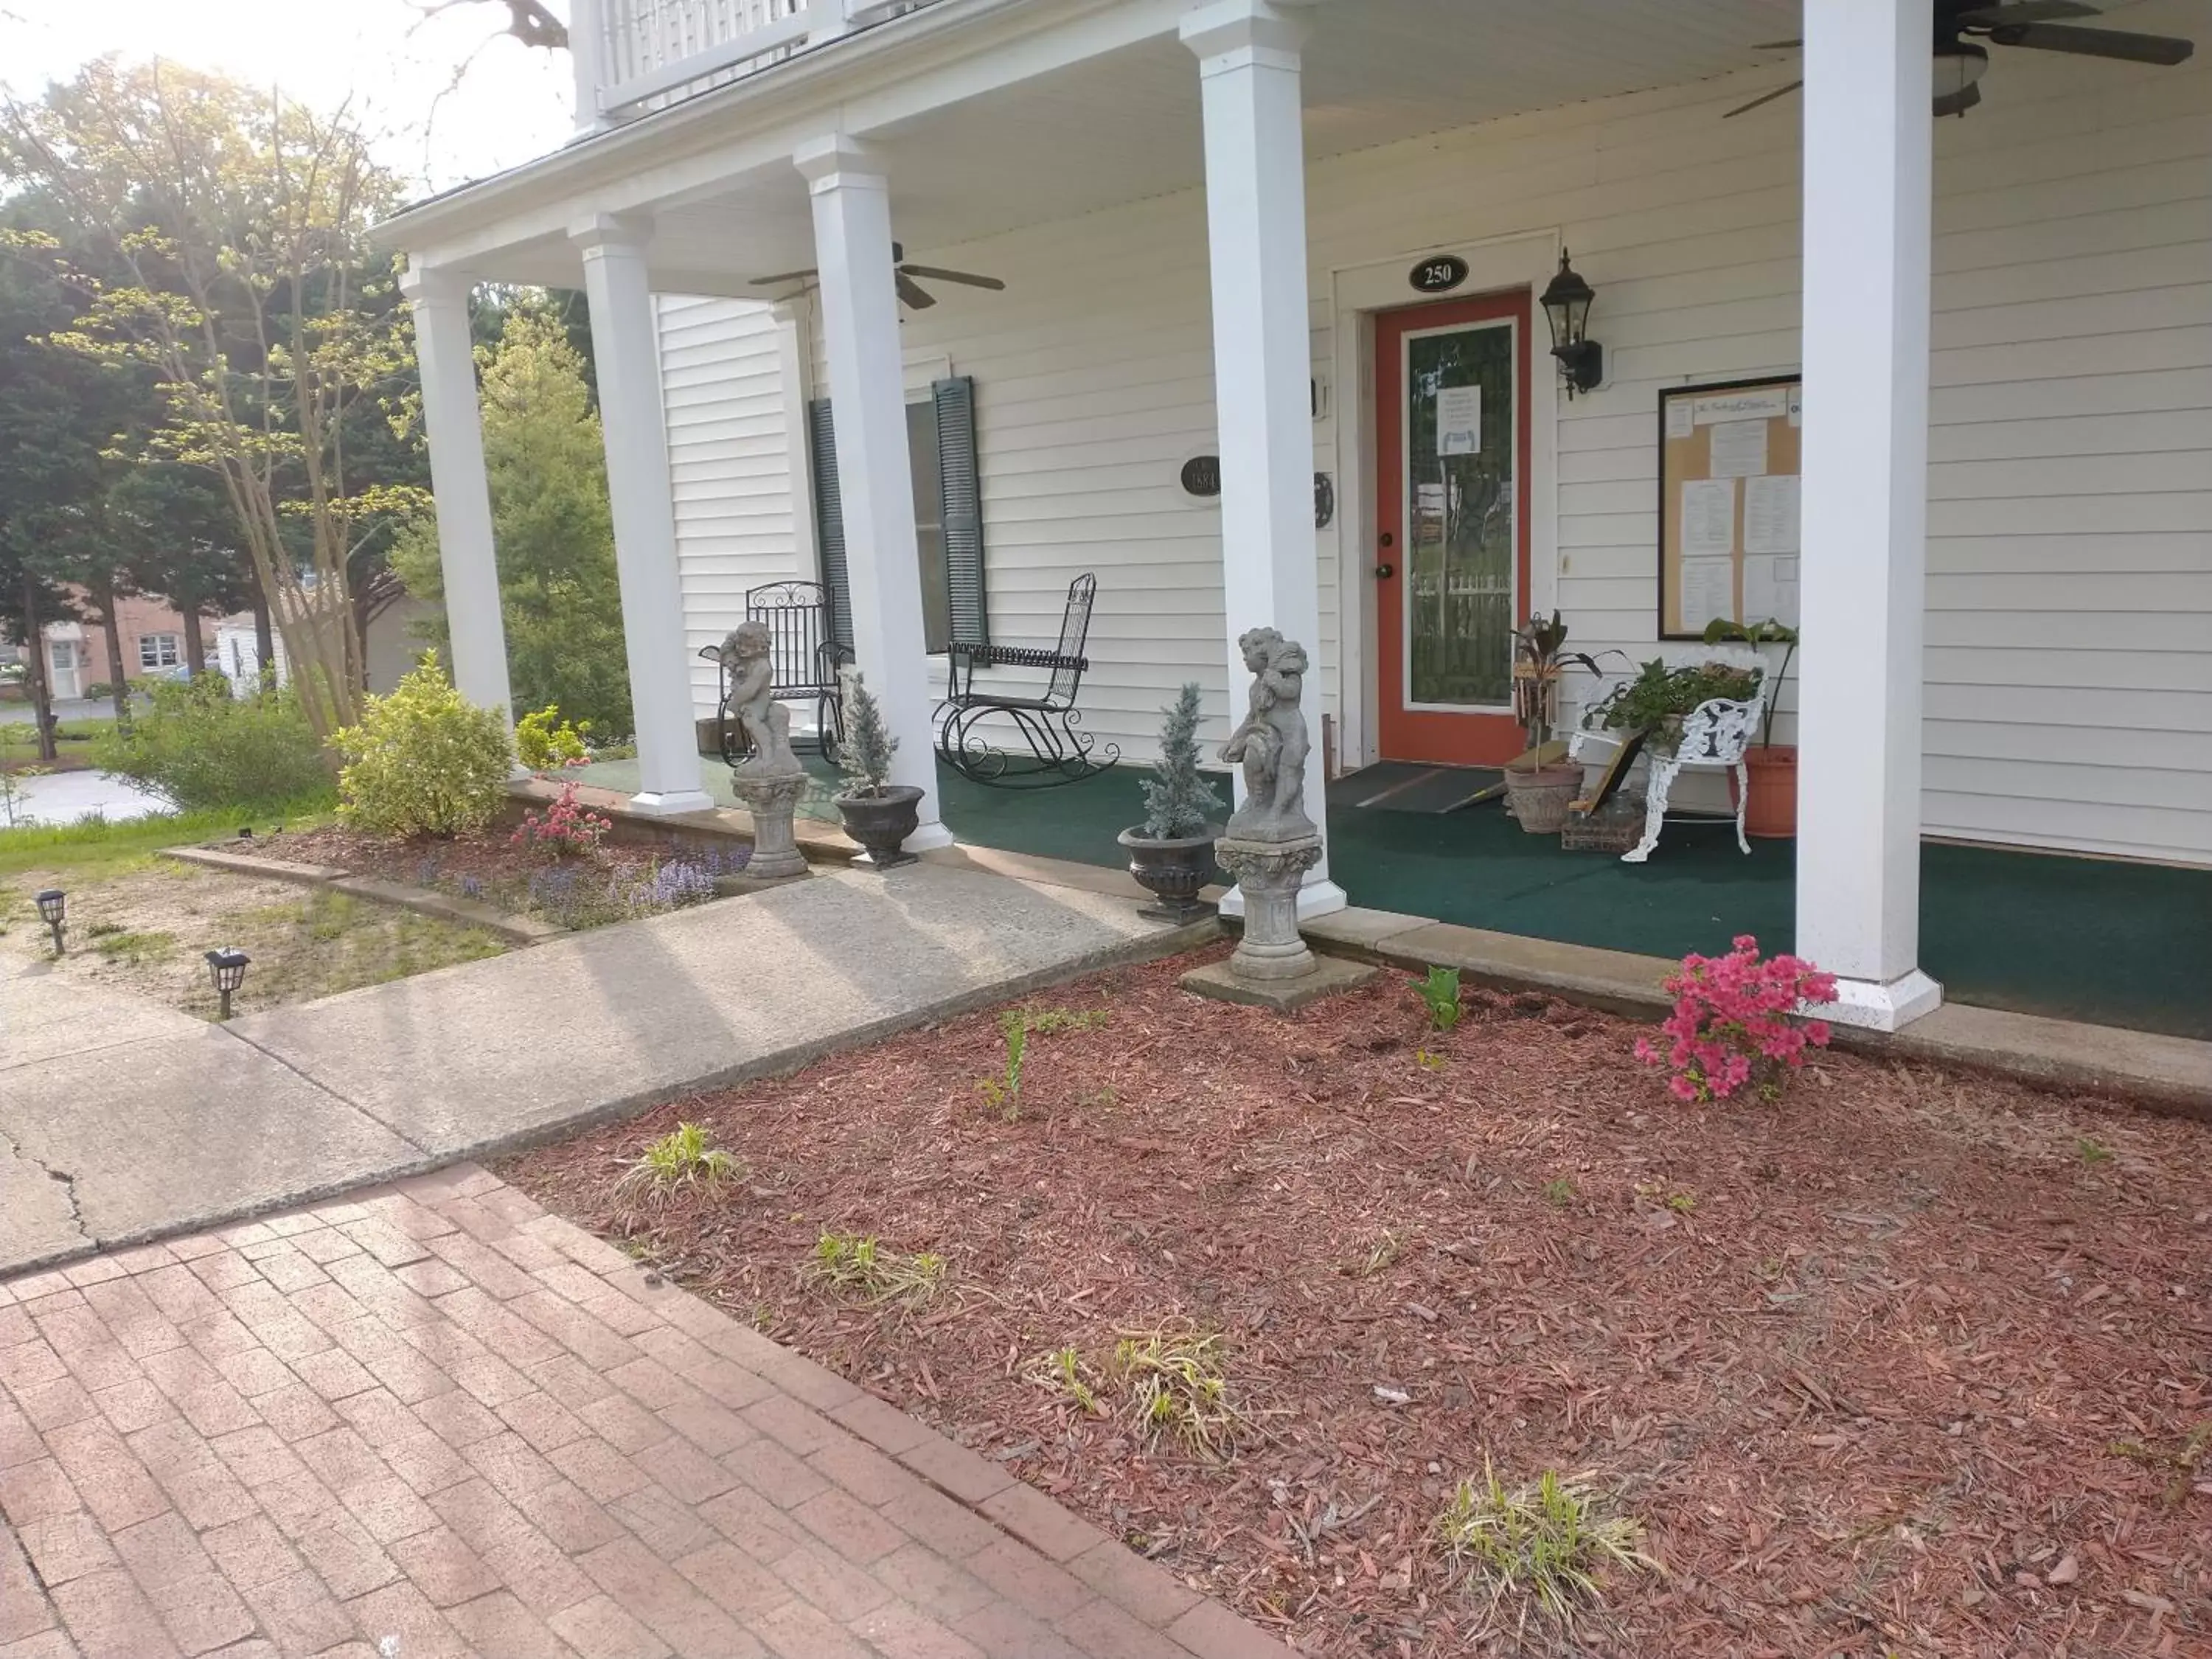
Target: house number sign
(1440,275)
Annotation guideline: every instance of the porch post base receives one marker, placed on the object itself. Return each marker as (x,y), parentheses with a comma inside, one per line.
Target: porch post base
(929,837)
(770,798)
(1876,1005)
(670,803)
(1316,899)
(1268,876)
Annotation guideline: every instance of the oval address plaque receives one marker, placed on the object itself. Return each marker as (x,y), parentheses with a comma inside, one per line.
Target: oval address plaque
(1201,476)
(1439,274)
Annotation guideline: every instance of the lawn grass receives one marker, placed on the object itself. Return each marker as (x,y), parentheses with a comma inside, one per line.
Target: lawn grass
(99,848)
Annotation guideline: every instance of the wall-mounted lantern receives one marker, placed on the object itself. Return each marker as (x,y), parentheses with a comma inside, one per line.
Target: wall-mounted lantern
(1567,308)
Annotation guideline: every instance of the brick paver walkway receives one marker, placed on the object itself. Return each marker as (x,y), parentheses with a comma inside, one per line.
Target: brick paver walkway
(436,1420)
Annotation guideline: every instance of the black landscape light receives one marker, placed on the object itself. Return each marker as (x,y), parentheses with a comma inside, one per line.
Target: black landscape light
(227,969)
(53,902)
(1566,305)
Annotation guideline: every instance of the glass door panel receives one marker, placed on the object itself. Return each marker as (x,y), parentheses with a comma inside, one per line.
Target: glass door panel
(1460,484)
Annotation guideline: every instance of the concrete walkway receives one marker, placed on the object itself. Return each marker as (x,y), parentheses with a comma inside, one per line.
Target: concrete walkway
(120,1119)
(436,1420)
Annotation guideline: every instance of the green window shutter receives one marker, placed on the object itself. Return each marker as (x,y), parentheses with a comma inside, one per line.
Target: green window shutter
(963,509)
(830,522)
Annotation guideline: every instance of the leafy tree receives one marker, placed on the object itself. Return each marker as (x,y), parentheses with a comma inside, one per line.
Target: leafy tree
(559,595)
(237,223)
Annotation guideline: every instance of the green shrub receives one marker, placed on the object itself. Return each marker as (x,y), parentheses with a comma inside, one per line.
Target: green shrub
(199,747)
(423,760)
(546,741)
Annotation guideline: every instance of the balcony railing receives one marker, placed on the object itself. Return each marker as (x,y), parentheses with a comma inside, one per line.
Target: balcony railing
(634,55)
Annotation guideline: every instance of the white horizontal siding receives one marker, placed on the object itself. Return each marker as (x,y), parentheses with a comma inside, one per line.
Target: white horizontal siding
(2069,603)
(730,466)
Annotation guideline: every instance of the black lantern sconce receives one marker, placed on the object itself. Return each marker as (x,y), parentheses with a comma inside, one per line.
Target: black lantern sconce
(227,969)
(52,904)
(1567,308)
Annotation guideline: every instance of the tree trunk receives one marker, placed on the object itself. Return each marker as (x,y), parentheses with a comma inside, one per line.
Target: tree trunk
(264,640)
(195,642)
(34,661)
(110,629)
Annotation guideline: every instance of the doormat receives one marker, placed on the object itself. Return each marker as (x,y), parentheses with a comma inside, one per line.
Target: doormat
(1411,787)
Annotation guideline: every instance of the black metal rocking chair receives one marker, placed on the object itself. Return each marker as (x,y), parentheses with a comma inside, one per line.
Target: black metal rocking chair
(1047,720)
(803,660)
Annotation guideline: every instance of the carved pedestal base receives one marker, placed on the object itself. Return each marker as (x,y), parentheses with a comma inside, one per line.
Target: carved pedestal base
(770,799)
(1268,873)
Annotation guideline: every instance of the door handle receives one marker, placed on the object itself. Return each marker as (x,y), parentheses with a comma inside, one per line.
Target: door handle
(1384,572)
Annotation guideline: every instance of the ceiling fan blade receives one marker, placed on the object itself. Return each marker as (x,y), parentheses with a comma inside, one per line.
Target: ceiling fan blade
(2161,49)
(782,277)
(917,297)
(1959,102)
(967,277)
(2023,11)
(1779,92)
(1777,46)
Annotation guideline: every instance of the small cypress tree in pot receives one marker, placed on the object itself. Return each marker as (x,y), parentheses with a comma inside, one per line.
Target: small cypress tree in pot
(1171,852)
(877,813)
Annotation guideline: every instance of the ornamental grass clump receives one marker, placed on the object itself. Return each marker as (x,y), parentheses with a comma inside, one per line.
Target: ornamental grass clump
(1734,1023)
(1179,802)
(1540,1546)
(682,1160)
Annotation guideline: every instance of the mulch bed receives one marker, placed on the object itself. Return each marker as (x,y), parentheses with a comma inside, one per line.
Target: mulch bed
(1906,1363)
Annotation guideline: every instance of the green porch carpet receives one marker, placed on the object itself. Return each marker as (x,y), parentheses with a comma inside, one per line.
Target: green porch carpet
(2113,944)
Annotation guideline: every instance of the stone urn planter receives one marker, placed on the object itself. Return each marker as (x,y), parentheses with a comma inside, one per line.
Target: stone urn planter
(1539,796)
(1770,807)
(882,821)
(1172,869)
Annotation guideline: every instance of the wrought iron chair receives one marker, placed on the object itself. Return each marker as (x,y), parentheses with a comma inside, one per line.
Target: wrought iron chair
(1045,718)
(1715,735)
(803,660)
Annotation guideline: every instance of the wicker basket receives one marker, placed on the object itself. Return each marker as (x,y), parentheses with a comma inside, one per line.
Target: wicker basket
(1614,828)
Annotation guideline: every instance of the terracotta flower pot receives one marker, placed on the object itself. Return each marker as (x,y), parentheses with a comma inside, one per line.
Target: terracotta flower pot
(1770,808)
(1539,797)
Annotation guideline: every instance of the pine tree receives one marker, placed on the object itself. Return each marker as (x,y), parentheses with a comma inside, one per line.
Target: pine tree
(865,756)
(1179,801)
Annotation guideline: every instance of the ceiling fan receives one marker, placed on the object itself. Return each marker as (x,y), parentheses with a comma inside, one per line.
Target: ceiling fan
(1960,59)
(912,293)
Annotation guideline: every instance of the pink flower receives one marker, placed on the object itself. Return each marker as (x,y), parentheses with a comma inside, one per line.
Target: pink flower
(1733,1022)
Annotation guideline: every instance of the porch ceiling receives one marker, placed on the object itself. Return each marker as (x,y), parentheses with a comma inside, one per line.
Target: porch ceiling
(1125,126)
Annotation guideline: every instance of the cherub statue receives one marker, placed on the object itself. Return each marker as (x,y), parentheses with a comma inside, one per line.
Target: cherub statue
(1272,742)
(765,722)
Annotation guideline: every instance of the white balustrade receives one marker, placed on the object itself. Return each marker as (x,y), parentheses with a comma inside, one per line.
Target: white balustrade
(633,55)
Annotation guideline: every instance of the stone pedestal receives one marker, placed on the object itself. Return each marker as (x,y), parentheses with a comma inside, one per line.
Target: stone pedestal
(770,799)
(1268,874)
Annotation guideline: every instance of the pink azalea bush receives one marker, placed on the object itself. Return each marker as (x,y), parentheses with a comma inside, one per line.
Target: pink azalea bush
(562,828)
(1733,1022)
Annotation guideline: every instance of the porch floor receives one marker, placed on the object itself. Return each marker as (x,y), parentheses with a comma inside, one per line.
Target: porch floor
(2104,942)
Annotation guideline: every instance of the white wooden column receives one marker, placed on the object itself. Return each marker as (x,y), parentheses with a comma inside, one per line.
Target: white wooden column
(454,425)
(1865,504)
(1255,214)
(587,52)
(875,479)
(626,356)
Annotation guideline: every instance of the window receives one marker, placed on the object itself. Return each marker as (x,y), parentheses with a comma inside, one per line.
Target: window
(160,651)
(947,512)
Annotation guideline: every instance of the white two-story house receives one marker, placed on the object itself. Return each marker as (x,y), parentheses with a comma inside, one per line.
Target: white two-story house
(1273,270)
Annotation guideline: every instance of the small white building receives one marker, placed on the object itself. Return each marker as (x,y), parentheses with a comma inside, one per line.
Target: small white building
(1972,357)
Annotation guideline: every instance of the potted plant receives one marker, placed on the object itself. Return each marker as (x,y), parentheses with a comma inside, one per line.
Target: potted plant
(1541,784)
(1770,806)
(1171,852)
(877,813)
(1654,703)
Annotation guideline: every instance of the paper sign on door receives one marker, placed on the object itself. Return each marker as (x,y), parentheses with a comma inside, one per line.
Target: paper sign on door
(1459,420)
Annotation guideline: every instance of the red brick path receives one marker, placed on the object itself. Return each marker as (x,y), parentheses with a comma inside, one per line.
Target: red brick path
(437,1414)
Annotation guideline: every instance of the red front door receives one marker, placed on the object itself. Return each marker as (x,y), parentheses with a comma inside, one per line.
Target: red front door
(1451,392)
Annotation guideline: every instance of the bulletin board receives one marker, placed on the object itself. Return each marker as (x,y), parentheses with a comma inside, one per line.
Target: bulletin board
(1728,465)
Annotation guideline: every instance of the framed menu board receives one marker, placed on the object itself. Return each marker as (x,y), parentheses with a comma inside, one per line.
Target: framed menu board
(1728,503)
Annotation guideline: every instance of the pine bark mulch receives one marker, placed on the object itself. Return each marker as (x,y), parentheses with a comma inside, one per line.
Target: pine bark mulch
(1907,1364)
